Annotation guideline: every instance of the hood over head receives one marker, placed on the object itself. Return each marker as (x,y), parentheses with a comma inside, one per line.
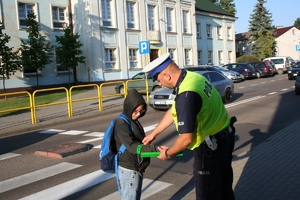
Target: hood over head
(133,100)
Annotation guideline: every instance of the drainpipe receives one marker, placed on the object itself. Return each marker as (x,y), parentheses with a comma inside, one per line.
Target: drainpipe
(71,28)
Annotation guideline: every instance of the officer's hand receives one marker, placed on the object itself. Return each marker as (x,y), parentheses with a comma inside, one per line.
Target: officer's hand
(162,154)
(148,139)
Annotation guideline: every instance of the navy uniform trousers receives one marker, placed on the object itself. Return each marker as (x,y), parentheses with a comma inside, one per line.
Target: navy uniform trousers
(212,170)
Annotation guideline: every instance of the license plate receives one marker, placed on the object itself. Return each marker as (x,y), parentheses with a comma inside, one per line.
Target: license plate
(160,102)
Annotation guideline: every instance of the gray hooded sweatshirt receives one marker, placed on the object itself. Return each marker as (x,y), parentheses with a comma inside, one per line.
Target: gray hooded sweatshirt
(132,139)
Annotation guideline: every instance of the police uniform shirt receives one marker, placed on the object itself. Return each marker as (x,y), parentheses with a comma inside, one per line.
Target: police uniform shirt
(188,105)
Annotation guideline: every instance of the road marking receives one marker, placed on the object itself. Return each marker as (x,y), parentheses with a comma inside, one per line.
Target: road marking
(95,134)
(51,131)
(272,93)
(73,132)
(284,89)
(8,155)
(70,187)
(91,140)
(243,101)
(149,188)
(36,176)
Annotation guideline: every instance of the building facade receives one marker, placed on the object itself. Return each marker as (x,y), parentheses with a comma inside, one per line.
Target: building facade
(287,38)
(110,31)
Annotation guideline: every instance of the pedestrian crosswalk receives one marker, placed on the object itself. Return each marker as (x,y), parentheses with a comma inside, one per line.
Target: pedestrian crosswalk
(75,185)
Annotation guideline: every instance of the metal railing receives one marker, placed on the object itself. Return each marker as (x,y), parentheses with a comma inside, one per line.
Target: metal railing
(69,97)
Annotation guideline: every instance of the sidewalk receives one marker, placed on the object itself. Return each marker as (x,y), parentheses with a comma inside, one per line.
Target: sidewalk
(269,171)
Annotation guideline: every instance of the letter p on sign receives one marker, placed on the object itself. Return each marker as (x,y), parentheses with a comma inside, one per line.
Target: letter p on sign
(144,47)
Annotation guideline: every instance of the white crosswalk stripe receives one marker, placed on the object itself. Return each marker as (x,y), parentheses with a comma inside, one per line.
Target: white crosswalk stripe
(36,176)
(8,155)
(150,187)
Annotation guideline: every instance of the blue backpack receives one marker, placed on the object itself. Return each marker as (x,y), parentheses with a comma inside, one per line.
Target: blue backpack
(109,156)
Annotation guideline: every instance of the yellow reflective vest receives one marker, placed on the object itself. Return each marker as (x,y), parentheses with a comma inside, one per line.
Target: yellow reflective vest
(212,117)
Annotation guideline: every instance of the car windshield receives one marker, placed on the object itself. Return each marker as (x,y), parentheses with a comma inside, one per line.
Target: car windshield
(221,68)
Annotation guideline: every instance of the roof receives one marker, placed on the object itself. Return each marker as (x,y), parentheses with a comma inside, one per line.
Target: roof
(242,36)
(279,32)
(208,6)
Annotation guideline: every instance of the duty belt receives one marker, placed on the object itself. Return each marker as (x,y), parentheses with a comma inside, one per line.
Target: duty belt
(223,133)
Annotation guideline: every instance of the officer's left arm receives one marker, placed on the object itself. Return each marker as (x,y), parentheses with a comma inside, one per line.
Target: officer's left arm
(180,144)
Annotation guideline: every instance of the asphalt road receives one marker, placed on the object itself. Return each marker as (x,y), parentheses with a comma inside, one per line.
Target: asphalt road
(262,106)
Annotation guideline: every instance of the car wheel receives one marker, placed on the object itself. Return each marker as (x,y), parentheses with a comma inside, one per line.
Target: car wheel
(228,96)
(280,71)
(121,89)
(258,74)
(156,87)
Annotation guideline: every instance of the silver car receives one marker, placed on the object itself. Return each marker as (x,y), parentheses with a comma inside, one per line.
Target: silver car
(163,98)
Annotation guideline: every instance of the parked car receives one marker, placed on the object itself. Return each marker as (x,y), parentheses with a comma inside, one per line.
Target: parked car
(272,65)
(139,85)
(162,99)
(263,69)
(246,70)
(292,73)
(281,63)
(297,84)
(235,76)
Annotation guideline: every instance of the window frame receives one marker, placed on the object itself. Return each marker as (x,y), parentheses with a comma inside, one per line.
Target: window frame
(151,20)
(131,15)
(21,20)
(170,16)
(111,58)
(63,22)
(198,30)
(133,58)
(209,56)
(199,57)
(106,9)
(209,31)
(187,56)
(186,21)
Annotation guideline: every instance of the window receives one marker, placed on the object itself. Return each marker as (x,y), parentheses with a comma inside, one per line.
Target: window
(187,57)
(58,17)
(198,27)
(172,53)
(199,55)
(229,56)
(209,57)
(106,12)
(110,59)
(208,31)
(170,19)
(24,9)
(151,18)
(130,14)
(229,33)
(2,70)
(220,57)
(133,58)
(219,32)
(59,66)
(185,18)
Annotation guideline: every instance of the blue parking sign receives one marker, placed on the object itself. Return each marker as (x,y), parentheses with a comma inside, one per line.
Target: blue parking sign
(298,47)
(144,47)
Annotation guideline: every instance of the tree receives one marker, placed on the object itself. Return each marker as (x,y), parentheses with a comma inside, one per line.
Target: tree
(260,26)
(9,62)
(35,52)
(68,52)
(297,23)
(227,5)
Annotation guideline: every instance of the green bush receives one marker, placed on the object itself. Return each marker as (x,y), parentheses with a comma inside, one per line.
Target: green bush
(247,58)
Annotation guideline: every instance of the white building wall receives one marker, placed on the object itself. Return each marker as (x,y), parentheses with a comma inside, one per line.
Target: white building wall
(224,43)
(87,22)
(286,44)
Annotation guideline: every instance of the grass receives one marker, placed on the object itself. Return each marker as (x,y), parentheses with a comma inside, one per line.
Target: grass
(23,101)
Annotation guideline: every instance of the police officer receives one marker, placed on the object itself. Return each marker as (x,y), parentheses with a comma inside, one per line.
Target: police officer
(203,124)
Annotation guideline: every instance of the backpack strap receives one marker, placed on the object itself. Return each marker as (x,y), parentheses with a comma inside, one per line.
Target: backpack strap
(121,150)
